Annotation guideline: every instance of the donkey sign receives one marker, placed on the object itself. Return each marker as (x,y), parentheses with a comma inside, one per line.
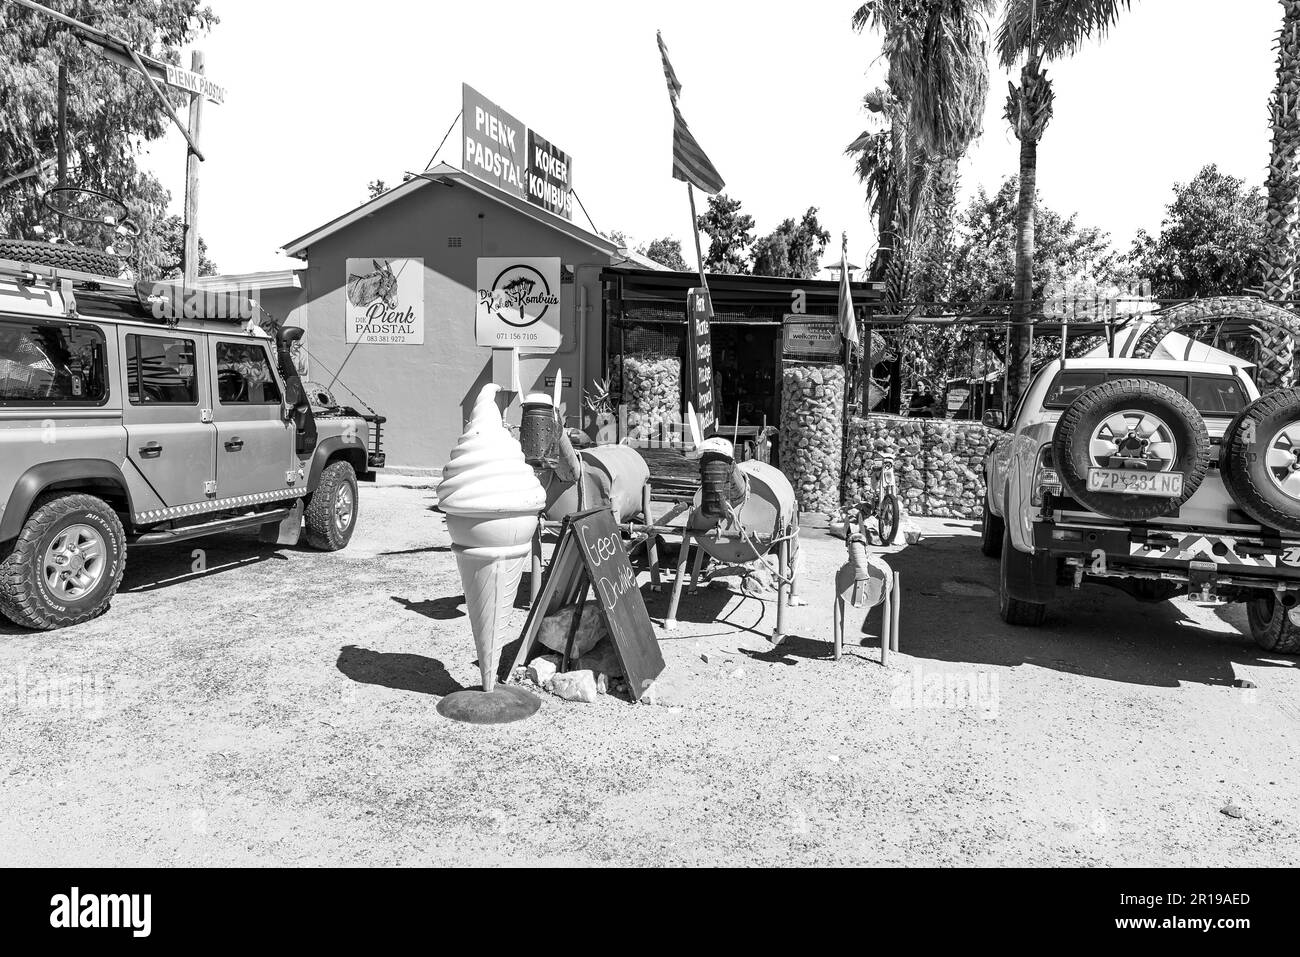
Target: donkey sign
(385,301)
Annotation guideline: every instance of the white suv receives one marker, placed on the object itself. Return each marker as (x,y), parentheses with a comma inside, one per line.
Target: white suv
(1158,477)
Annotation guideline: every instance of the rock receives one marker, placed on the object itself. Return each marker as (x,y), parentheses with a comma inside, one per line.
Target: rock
(666,691)
(602,659)
(554,632)
(602,684)
(1231,810)
(574,686)
(541,669)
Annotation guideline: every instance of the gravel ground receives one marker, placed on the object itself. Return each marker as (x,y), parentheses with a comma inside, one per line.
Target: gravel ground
(278,708)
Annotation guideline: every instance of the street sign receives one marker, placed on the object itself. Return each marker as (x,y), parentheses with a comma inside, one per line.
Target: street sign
(195,83)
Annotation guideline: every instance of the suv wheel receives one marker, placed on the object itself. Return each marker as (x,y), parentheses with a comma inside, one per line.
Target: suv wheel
(65,565)
(1014,611)
(1270,627)
(990,532)
(332,508)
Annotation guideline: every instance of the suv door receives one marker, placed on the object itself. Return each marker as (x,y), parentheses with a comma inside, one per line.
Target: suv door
(255,445)
(170,437)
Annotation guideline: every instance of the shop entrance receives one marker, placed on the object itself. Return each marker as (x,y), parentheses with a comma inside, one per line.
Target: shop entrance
(746,377)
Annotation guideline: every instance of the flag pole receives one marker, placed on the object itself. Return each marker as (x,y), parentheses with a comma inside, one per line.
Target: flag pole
(695,233)
(846,457)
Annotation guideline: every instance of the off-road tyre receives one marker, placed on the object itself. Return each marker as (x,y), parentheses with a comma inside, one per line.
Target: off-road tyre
(1074,432)
(1270,627)
(1023,614)
(25,596)
(61,256)
(991,531)
(325,531)
(1243,459)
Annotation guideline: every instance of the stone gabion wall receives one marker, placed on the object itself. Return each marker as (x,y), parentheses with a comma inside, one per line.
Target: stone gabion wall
(812,417)
(937,462)
(652,389)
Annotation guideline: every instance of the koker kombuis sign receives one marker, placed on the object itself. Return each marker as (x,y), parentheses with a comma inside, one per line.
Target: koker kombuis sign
(501,150)
(518,304)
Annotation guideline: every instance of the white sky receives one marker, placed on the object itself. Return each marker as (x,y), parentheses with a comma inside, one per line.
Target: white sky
(323,97)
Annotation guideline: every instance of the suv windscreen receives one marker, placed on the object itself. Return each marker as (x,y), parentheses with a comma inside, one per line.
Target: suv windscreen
(1210,394)
(45,363)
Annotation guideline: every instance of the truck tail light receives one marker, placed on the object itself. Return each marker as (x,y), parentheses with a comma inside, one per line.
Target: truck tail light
(1046,478)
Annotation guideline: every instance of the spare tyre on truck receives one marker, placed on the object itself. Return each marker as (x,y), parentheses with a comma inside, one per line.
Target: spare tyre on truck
(1131,449)
(1260,460)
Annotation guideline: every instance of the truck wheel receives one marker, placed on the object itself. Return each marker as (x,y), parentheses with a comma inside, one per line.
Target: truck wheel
(991,532)
(1270,627)
(1028,614)
(332,508)
(65,565)
(1260,460)
(1132,424)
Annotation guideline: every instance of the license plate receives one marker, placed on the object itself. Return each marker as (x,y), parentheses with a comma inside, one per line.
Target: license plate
(1134,482)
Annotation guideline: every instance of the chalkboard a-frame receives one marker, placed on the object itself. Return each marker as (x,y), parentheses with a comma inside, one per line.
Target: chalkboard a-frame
(590,556)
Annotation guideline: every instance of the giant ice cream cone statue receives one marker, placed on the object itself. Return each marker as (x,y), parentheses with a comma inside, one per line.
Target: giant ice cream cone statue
(491,500)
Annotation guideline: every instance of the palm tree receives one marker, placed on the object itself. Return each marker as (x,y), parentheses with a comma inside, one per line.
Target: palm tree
(1277,365)
(1037,31)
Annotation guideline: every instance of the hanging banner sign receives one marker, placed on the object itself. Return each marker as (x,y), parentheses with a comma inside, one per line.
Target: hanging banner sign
(518,304)
(550,177)
(810,338)
(501,150)
(195,83)
(699,343)
(385,304)
(496,144)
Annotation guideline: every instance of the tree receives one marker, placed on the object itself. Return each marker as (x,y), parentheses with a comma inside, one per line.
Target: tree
(1283,189)
(792,250)
(172,259)
(730,233)
(618,238)
(666,252)
(376,188)
(1037,31)
(111,112)
(1210,243)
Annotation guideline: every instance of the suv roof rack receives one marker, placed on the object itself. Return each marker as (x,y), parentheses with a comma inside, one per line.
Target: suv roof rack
(165,302)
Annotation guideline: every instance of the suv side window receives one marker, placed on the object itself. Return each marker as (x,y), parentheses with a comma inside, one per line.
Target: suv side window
(244,375)
(160,371)
(51,363)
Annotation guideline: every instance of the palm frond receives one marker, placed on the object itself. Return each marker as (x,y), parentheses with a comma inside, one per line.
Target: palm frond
(1057,28)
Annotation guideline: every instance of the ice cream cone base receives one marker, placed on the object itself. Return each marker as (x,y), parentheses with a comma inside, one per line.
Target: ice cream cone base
(502,705)
(490,577)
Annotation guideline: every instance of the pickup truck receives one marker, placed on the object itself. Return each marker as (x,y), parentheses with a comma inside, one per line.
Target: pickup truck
(1161,478)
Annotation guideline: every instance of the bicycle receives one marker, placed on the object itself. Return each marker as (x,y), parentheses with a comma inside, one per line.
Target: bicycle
(878,516)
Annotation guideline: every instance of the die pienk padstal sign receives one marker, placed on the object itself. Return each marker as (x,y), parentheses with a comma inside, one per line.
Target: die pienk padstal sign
(385,301)
(518,303)
(501,150)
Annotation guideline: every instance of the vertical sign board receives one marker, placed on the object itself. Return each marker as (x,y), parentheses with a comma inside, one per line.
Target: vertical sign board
(550,176)
(590,552)
(385,304)
(496,147)
(699,343)
(518,304)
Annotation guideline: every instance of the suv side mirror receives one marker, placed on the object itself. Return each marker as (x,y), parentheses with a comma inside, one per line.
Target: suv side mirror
(994,419)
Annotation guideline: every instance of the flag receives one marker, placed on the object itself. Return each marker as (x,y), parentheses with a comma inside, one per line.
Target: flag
(848,321)
(689,162)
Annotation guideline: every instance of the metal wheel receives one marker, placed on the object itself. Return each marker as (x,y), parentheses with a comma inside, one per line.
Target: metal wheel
(74,562)
(344,505)
(1283,460)
(1133,439)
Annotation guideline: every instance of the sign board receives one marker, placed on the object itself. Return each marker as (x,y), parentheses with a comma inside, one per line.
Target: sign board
(385,301)
(195,83)
(812,338)
(518,304)
(550,176)
(590,556)
(501,150)
(496,144)
(699,344)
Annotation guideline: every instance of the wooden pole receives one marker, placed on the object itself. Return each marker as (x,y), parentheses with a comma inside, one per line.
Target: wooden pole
(192,159)
(63,125)
(695,233)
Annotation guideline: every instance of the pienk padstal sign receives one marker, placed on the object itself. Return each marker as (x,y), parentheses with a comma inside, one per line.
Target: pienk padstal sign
(385,301)
(518,303)
(501,150)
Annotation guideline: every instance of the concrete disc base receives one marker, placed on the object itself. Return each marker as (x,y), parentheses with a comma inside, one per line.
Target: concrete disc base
(502,705)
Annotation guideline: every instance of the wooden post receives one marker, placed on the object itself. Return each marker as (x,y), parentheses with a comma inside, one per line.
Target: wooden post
(63,128)
(695,233)
(191,259)
(535,579)
(886,618)
(897,608)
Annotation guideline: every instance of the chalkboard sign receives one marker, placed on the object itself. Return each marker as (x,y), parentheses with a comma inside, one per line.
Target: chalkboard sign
(590,556)
(699,342)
